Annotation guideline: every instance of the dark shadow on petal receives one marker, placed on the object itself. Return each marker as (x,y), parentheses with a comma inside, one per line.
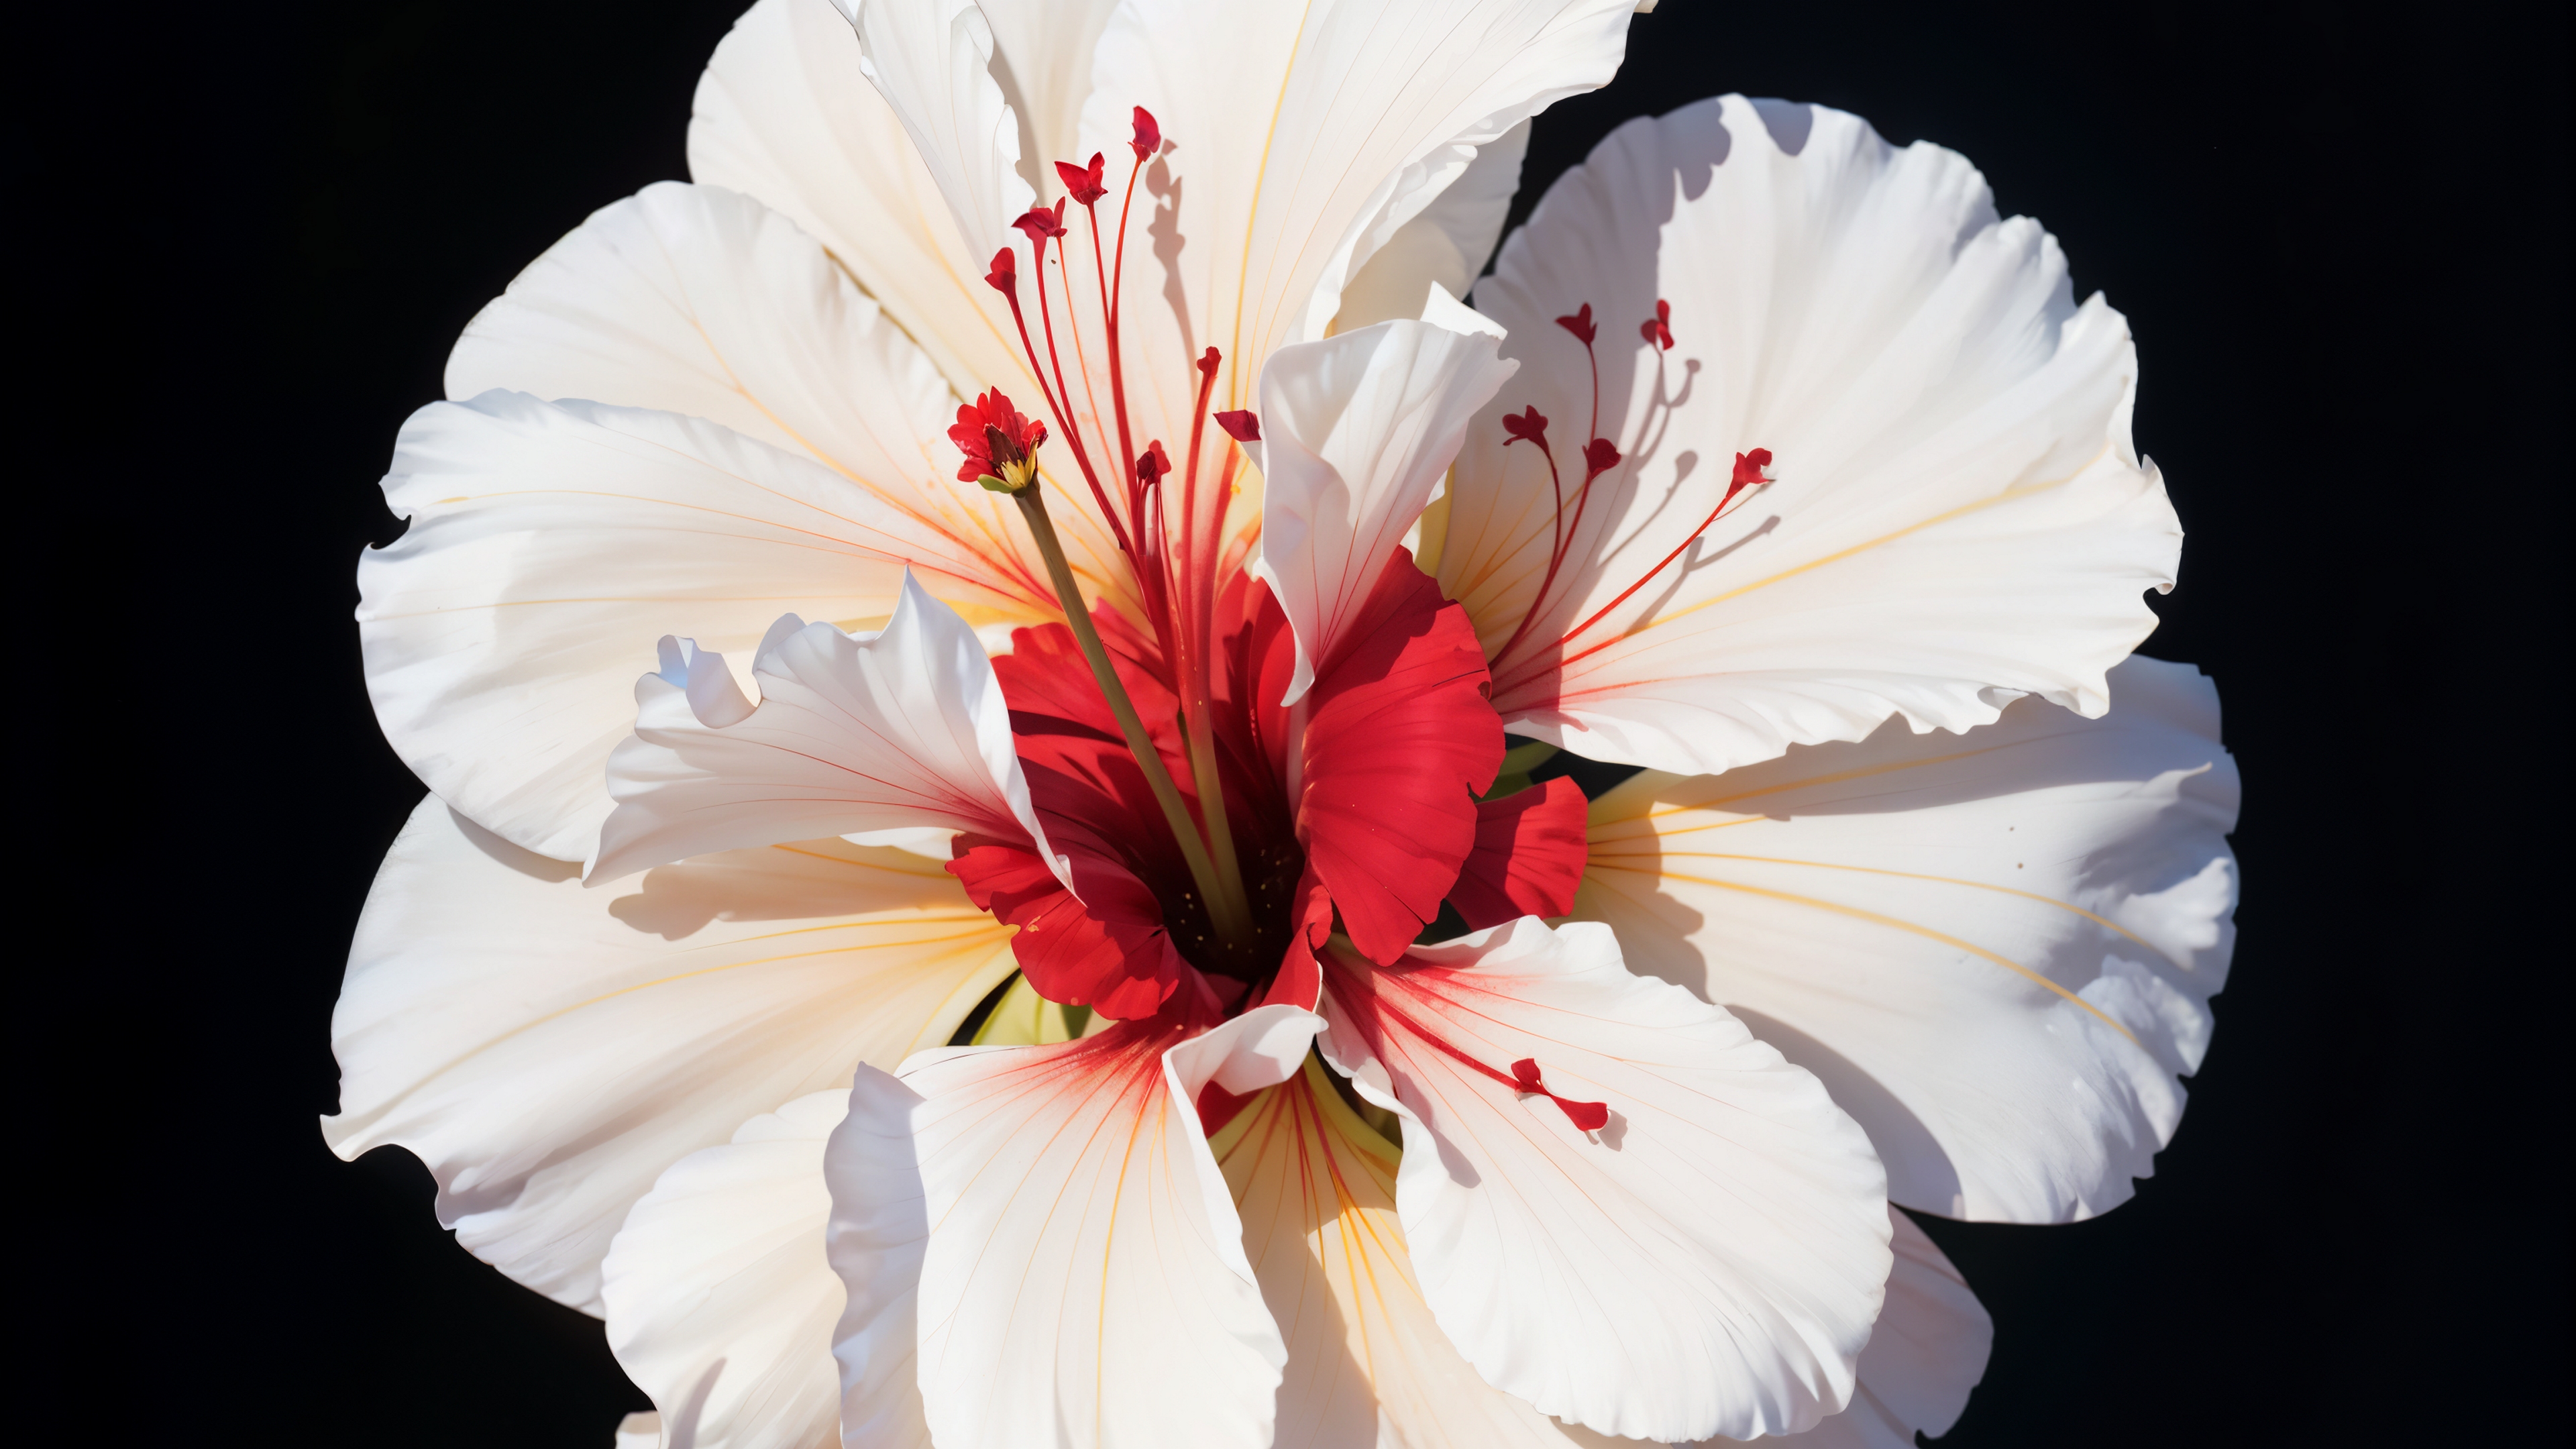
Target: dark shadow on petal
(1903,1142)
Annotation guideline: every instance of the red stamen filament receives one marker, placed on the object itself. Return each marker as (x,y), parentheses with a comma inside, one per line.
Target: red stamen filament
(1523,1078)
(1178,602)
(1562,535)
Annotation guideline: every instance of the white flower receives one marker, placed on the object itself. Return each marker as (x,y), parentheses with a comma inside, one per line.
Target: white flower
(717,411)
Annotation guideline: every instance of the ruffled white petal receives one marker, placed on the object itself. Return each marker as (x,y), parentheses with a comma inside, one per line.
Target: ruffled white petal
(895,731)
(720,1303)
(1357,432)
(701,301)
(784,114)
(1300,139)
(549,1050)
(932,61)
(640,1431)
(1047,1225)
(1367,1364)
(1997,951)
(551,543)
(1927,1352)
(1958,513)
(1447,243)
(1707,1262)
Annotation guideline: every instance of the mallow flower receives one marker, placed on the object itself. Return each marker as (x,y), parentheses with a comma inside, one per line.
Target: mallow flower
(974,890)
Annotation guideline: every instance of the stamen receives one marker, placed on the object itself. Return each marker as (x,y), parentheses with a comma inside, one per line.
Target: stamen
(1751,470)
(1004,278)
(1082,181)
(1001,422)
(1586,1116)
(1658,328)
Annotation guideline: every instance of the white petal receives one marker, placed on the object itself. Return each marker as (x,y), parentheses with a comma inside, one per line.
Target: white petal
(1300,140)
(1357,432)
(783,114)
(639,1431)
(1708,1262)
(549,1050)
(551,543)
(720,1303)
(703,302)
(1928,1351)
(1043,65)
(931,60)
(1316,1189)
(1958,513)
(1997,951)
(1448,244)
(1078,1264)
(901,729)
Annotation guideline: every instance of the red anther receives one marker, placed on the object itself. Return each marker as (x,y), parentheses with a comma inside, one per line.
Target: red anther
(1208,365)
(1528,427)
(1586,1116)
(1149,137)
(1082,181)
(1751,468)
(1598,456)
(1241,425)
(994,436)
(1005,276)
(1580,324)
(1658,328)
(1042,224)
(1153,465)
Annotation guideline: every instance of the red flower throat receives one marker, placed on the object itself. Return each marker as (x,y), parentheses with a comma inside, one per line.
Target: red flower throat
(1217,838)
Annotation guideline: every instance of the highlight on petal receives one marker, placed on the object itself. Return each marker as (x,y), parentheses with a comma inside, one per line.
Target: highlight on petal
(720,1303)
(932,62)
(1045,1228)
(1997,951)
(551,543)
(1316,1190)
(1303,143)
(548,1050)
(1927,1352)
(1956,514)
(901,729)
(1621,1207)
(1359,431)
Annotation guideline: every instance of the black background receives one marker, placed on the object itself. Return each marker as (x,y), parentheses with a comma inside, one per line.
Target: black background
(2340,236)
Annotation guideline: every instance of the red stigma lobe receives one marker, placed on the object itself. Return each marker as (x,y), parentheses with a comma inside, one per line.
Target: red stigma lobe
(1149,136)
(1530,426)
(1586,1116)
(1082,181)
(1042,225)
(1580,324)
(1240,425)
(1598,456)
(1154,465)
(1658,328)
(1005,275)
